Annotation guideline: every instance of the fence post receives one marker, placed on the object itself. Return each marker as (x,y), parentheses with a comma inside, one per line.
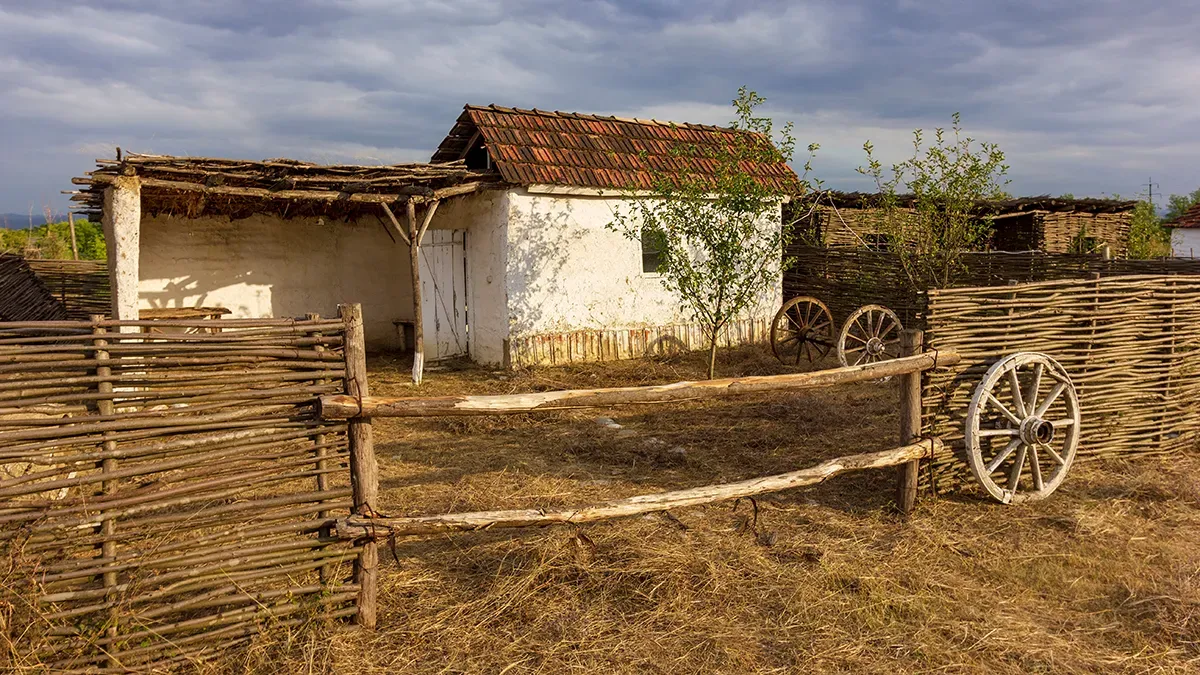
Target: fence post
(910,421)
(364,472)
(108,526)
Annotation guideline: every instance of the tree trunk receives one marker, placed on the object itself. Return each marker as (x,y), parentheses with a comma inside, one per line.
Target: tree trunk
(712,356)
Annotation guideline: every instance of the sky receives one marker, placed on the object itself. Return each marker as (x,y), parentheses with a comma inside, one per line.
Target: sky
(1088,97)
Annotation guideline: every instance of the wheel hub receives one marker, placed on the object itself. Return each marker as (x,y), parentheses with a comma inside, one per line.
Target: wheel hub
(1036,431)
(874,346)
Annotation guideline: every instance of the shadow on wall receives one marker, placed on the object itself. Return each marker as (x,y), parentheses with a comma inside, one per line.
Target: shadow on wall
(537,260)
(264,267)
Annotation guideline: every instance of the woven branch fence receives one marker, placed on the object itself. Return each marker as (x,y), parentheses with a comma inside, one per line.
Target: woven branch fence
(848,278)
(166,494)
(1130,343)
(23,296)
(81,286)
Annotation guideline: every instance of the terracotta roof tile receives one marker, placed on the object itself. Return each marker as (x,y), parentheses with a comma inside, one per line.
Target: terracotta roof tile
(1190,218)
(556,148)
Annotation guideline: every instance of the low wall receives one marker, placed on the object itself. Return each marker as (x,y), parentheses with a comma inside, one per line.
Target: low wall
(1131,345)
(610,344)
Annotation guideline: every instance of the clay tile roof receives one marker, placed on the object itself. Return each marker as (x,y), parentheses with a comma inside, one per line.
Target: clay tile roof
(580,150)
(1190,218)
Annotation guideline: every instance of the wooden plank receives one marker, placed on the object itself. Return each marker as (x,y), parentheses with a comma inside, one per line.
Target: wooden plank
(344,407)
(356,527)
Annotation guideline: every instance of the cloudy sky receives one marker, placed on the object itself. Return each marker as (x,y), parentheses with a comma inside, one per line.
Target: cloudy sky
(1086,96)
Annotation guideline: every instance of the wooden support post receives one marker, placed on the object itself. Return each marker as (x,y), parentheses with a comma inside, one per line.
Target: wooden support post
(108,526)
(74,243)
(911,342)
(364,472)
(414,251)
(122,233)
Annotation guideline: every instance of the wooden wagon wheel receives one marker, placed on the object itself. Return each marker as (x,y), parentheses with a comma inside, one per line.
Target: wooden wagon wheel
(1023,419)
(871,334)
(802,328)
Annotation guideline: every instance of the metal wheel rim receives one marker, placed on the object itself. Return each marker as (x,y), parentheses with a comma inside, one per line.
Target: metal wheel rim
(804,324)
(1017,395)
(866,324)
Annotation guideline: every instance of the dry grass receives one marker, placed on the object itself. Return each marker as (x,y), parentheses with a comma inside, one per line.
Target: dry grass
(1103,577)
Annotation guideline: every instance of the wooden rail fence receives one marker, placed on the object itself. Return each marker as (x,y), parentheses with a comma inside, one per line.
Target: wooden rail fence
(366,527)
(168,494)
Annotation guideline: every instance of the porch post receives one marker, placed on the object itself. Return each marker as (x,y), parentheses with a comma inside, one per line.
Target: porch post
(122,232)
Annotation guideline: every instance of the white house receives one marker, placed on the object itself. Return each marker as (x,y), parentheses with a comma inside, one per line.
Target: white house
(516,262)
(1185,234)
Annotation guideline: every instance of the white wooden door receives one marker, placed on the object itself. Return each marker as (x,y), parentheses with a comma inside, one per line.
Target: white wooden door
(444,294)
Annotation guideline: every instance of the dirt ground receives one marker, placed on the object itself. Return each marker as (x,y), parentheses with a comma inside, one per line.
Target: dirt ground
(1102,577)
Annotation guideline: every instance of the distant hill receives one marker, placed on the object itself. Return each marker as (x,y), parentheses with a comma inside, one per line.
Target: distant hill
(20,221)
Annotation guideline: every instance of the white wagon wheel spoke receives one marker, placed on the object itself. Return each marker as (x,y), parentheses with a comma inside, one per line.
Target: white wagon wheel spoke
(1007,407)
(1002,455)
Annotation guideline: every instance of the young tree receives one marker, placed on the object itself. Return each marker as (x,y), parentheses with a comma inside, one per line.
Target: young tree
(948,180)
(1147,237)
(717,230)
(1177,205)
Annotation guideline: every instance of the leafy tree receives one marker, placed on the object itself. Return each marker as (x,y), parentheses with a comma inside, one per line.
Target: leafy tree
(1178,204)
(53,240)
(717,232)
(947,180)
(1147,237)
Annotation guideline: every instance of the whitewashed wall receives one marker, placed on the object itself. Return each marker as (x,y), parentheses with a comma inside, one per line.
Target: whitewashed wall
(264,266)
(567,272)
(1185,242)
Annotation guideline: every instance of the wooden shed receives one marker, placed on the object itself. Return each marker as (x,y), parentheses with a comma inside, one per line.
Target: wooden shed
(1050,224)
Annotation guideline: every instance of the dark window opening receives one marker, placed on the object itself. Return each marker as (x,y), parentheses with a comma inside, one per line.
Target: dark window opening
(652,252)
(477,157)
(878,242)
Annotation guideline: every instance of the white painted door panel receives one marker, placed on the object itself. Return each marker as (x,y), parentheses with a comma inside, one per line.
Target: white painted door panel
(443,294)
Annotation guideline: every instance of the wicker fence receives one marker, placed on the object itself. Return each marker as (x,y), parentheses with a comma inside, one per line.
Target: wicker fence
(166,493)
(848,278)
(80,285)
(1130,343)
(24,297)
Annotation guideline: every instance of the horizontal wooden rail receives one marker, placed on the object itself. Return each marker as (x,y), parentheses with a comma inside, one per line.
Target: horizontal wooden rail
(344,407)
(357,527)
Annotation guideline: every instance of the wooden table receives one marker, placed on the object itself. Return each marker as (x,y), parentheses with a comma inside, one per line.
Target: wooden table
(183,313)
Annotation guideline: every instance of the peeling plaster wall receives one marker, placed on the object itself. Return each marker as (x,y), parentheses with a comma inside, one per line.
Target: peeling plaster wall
(568,272)
(264,266)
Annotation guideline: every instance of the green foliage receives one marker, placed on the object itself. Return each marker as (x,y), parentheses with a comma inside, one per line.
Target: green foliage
(947,180)
(53,240)
(717,233)
(1178,204)
(1147,237)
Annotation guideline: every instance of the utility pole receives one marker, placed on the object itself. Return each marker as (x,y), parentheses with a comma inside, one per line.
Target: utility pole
(1150,185)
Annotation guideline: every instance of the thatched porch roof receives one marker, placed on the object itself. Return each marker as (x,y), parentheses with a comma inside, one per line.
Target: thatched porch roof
(203,186)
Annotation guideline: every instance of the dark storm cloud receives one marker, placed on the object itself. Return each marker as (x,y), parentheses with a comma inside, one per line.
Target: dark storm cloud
(1085,97)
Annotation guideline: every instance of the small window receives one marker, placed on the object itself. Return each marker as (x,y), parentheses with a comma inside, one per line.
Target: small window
(652,252)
